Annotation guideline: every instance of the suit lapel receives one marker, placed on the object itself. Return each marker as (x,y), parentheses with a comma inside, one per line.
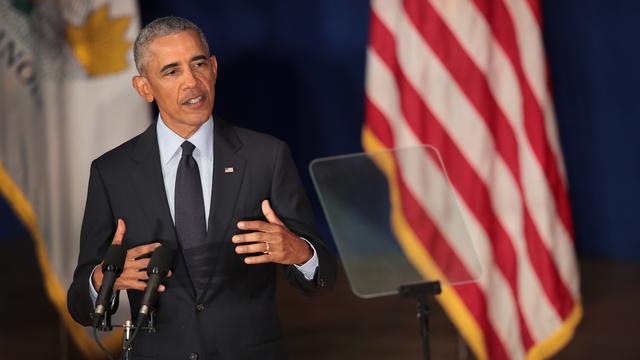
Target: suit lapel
(149,184)
(228,173)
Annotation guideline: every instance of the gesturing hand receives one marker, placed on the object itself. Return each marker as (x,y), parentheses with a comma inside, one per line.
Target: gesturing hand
(276,243)
(134,274)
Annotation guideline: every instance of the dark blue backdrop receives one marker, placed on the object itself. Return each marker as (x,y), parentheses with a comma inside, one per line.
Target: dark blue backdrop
(593,52)
(296,70)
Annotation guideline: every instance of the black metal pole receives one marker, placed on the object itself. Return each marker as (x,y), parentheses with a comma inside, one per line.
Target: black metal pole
(421,292)
(423,318)
(126,336)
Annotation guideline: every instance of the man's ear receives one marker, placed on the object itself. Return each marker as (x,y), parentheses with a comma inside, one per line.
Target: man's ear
(141,84)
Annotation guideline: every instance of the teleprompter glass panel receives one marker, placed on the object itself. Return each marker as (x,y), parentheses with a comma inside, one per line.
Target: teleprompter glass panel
(395,219)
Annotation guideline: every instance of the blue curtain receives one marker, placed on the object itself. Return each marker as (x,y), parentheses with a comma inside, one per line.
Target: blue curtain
(593,51)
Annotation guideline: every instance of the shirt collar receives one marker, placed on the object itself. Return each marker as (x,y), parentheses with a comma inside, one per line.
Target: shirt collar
(169,142)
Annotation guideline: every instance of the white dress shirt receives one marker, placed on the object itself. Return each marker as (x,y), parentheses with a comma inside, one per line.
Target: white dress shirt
(170,153)
(169,144)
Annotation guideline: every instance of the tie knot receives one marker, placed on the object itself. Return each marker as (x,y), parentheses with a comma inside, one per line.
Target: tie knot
(187,148)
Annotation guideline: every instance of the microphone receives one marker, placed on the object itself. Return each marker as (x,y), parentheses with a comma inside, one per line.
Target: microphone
(111,268)
(157,270)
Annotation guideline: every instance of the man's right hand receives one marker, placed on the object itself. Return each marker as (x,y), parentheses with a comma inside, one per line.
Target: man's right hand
(134,275)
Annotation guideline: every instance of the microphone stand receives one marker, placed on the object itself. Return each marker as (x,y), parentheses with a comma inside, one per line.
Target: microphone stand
(129,332)
(104,324)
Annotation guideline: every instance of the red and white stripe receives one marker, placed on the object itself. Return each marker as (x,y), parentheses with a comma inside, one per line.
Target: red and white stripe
(469,77)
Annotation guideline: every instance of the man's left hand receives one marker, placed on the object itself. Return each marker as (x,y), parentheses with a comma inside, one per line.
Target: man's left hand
(276,243)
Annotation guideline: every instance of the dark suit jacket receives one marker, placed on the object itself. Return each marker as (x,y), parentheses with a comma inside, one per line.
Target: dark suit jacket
(229,313)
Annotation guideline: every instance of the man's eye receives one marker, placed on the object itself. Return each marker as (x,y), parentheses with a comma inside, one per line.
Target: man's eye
(170,73)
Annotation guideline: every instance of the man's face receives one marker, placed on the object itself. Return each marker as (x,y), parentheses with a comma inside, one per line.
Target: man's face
(179,76)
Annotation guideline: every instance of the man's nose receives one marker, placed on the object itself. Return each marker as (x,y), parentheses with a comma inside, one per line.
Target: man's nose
(190,79)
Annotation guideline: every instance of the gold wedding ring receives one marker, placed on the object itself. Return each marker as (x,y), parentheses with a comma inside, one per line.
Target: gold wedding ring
(267,250)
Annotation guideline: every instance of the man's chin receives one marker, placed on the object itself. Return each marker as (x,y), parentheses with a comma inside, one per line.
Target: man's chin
(197,113)
(197,123)
(197,117)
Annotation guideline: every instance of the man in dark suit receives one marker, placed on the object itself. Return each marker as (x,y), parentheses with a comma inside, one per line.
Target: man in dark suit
(227,200)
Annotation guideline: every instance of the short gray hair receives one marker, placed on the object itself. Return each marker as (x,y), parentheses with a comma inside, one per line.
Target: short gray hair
(159,27)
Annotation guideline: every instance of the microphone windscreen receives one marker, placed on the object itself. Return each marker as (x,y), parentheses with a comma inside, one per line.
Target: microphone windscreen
(160,260)
(115,257)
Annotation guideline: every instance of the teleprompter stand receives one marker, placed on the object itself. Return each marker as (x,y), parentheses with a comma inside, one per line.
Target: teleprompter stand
(421,292)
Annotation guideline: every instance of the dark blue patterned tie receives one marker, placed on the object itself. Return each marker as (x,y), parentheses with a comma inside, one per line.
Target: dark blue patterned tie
(189,204)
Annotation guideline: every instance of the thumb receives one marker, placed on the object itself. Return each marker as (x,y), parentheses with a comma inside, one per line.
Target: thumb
(269,213)
(119,235)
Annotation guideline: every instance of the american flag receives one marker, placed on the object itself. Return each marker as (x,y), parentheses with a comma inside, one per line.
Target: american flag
(469,77)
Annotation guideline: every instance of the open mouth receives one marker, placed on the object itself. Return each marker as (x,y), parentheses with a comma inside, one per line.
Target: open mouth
(194,101)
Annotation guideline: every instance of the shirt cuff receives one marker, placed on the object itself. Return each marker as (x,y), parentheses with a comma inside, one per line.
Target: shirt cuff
(92,291)
(308,269)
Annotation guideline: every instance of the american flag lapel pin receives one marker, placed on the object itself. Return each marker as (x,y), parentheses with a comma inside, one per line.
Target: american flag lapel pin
(229,170)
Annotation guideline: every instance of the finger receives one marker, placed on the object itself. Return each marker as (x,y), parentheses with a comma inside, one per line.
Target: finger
(142,275)
(134,275)
(119,235)
(130,284)
(252,237)
(138,251)
(253,248)
(137,265)
(258,225)
(260,259)
(139,285)
(161,288)
(269,213)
